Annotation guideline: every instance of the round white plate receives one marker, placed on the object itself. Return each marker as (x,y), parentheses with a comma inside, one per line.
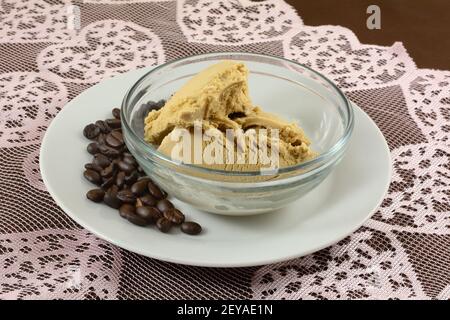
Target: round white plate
(333,210)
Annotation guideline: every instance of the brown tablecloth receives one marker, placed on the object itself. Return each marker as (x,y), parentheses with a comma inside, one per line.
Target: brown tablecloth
(48,56)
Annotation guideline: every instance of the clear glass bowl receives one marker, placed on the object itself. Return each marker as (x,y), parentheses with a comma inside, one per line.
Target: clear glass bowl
(284,87)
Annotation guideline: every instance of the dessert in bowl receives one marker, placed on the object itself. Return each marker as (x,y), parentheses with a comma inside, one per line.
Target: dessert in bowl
(209,94)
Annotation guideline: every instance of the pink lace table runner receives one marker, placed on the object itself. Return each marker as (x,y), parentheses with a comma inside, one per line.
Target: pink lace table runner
(48,56)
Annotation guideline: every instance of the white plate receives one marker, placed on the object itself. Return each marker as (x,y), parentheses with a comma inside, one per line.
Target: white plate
(326,215)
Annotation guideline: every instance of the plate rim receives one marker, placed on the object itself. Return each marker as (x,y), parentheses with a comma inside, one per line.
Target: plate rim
(233,264)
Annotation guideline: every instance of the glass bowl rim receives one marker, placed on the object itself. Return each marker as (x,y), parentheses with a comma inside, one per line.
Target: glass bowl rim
(321,160)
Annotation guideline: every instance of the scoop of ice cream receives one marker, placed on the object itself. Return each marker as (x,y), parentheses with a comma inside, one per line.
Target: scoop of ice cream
(218,99)
(211,95)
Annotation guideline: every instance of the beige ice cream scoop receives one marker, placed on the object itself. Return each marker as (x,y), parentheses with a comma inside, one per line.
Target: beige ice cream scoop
(218,98)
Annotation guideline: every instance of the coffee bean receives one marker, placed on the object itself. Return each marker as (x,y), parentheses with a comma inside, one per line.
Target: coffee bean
(108,182)
(191,228)
(116,162)
(154,190)
(124,166)
(92,148)
(126,196)
(111,199)
(137,220)
(131,178)
(174,215)
(116,113)
(108,171)
(104,128)
(95,195)
(152,105)
(101,139)
(114,139)
(144,178)
(93,176)
(150,214)
(93,166)
(139,187)
(91,131)
(120,179)
(160,103)
(113,123)
(108,151)
(163,224)
(124,184)
(117,134)
(101,160)
(129,159)
(148,200)
(126,210)
(164,205)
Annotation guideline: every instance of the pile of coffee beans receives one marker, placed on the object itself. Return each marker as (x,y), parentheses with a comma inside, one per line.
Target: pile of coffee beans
(121,182)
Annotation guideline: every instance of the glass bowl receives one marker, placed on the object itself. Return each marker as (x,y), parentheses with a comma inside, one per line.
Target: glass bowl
(286,88)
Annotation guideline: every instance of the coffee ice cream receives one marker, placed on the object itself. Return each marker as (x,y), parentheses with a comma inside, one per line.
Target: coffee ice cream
(213,101)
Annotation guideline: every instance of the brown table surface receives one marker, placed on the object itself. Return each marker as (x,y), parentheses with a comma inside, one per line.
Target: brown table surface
(422,25)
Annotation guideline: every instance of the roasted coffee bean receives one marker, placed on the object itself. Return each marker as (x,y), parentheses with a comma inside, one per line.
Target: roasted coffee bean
(120,179)
(101,139)
(93,166)
(174,215)
(153,105)
(191,227)
(91,131)
(95,195)
(101,160)
(131,178)
(126,167)
(93,176)
(137,220)
(111,199)
(117,133)
(149,106)
(163,224)
(148,200)
(138,203)
(126,196)
(164,205)
(104,128)
(150,214)
(92,148)
(108,151)
(113,123)
(160,104)
(154,190)
(108,182)
(114,139)
(139,187)
(126,210)
(108,171)
(116,113)
(129,159)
